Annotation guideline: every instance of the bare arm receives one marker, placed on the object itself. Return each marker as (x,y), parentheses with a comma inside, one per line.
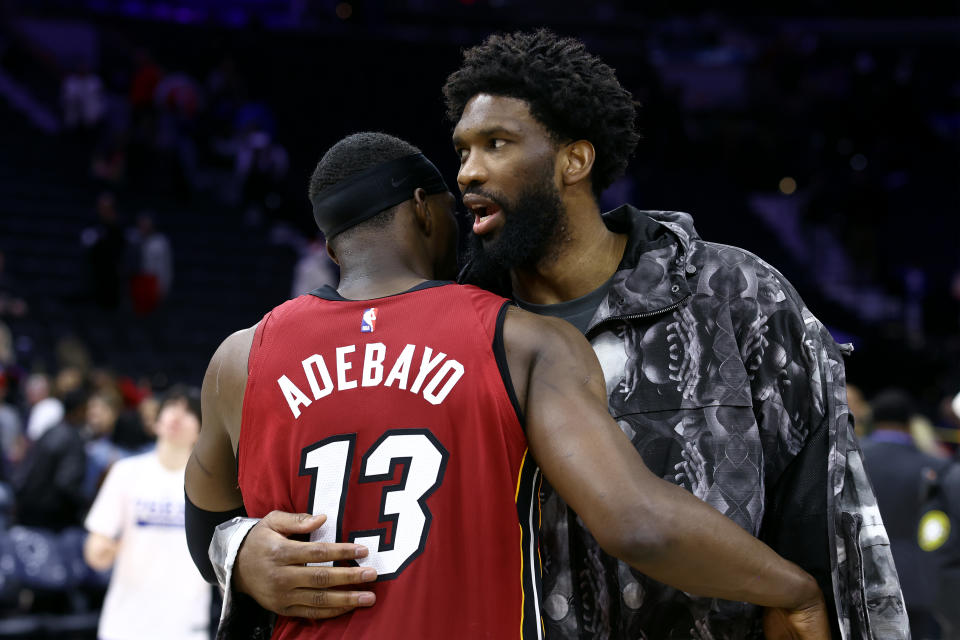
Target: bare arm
(657,527)
(211,475)
(269,567)
(100,551)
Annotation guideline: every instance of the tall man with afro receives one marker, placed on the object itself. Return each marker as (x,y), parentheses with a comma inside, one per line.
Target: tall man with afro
(718,373)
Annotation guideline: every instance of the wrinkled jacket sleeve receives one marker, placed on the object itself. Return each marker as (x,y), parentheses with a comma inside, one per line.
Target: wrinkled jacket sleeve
(868,590)
(799,392)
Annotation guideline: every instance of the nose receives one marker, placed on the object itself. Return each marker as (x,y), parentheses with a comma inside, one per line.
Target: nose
(472,171)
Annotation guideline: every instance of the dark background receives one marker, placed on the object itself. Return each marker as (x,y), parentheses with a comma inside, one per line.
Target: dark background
(857,103)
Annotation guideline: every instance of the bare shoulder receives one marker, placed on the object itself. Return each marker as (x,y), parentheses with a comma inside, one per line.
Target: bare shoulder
(226,377)
(229,362)
(211,475)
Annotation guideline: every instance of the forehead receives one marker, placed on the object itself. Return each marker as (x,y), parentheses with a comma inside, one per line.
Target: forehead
(485,113)
(175,407)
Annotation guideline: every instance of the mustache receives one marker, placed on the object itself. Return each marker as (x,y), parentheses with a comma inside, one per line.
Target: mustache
(497,199)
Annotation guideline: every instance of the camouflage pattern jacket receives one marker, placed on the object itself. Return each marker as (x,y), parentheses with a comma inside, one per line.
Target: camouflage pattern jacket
(728,386)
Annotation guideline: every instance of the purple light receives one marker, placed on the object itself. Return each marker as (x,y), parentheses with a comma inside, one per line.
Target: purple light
(133,8)
(184,15)
(235,17)
(163,11)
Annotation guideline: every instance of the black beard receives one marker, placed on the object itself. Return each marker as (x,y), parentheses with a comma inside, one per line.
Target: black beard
(536,225)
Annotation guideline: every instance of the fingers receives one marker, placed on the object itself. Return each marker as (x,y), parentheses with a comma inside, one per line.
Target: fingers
(312,613)
(325,577)
(293,523)
(330,599)
(353,599)
(290,552)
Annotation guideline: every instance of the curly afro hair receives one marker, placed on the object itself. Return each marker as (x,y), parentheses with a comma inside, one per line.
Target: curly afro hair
(571,92)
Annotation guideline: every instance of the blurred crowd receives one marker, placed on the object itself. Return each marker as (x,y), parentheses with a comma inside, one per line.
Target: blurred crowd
(69,426)
(61,437)
(155,129)
(832,154)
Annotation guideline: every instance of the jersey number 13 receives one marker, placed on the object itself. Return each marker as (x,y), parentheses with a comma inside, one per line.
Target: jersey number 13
(403,504)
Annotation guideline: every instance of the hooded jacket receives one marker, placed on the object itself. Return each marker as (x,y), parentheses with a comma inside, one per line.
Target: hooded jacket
(728,386)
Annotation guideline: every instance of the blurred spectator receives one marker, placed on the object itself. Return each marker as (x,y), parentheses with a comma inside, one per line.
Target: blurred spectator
(104,246)
(7,355)
(178,102)
(903,478)
(260,162)
(102,412)
(49,482)
(75,360)
(153,265)
(148,410)
(136,526)
(955,408)
(43,410)
(11,431)
(81,96)
(314,269)
(146,76)
(859,409)
(262,165)
(130,433)
(11,304)
(69,378)
(945,540)
(109,161)
(925,437)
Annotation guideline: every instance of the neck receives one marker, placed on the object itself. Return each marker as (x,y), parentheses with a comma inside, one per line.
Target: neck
(363,277)
(588,257)
(171,456)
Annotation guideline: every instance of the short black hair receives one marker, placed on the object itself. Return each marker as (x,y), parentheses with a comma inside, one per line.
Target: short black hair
(892,405)
(355,153)
(75,400)
(572,93)
(183,394)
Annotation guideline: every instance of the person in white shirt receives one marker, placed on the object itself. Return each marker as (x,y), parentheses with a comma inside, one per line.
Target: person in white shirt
(136,526)
(82,97)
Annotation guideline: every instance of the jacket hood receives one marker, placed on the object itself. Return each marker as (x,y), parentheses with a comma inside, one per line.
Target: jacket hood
(652,276)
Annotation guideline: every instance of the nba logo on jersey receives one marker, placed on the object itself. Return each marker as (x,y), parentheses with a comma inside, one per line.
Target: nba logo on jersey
(369,320)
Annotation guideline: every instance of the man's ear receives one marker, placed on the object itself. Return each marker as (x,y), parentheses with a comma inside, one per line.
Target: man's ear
(421,211)
(576,162)
(332,254)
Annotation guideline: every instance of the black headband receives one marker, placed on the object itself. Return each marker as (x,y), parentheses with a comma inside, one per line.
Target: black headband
(364,195)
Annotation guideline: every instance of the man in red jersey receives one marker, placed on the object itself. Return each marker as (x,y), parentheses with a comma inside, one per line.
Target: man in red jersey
(407,409)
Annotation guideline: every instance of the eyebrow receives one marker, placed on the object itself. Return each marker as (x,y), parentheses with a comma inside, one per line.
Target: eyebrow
(489,132)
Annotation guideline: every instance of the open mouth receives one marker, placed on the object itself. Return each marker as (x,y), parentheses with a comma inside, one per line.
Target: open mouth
(487,215)
(482,213)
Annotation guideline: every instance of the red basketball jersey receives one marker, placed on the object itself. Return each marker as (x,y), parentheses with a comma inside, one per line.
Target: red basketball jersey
(395,417)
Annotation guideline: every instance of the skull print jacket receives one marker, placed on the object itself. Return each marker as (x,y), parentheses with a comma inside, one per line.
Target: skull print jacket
(730,387)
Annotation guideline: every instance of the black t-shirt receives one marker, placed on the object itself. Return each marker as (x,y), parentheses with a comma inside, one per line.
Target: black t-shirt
(577,312)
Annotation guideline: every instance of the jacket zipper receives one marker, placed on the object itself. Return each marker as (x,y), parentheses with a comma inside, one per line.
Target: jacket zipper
(638,316)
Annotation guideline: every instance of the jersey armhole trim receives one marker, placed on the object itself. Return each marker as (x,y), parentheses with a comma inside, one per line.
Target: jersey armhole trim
(500,354)
(253,366)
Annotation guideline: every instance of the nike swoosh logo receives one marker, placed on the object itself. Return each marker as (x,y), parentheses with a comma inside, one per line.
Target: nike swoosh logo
(397,183)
